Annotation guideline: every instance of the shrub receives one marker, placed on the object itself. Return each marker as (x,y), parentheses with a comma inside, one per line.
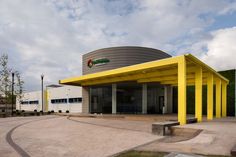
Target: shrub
(59,111)
(67,111)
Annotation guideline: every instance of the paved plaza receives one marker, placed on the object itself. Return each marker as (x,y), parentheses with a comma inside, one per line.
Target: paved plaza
(83,136)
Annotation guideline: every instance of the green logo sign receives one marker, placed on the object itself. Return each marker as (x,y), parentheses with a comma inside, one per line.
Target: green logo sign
(97,62)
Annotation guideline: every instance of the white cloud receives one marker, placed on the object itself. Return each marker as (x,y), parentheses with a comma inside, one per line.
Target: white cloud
(49,36)
(221,49)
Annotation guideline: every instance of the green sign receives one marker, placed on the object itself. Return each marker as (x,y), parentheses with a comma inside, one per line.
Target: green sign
(97,62)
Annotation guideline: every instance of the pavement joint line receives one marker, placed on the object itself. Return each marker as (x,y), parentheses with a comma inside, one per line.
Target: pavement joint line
(15,146)
(133,148)
(105,126)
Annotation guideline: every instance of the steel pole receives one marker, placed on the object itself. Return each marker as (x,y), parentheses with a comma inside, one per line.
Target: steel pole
(12,94)
(42,90)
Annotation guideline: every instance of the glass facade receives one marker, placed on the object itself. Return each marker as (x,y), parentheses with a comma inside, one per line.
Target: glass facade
(155,99)
(101,99)
(129,98)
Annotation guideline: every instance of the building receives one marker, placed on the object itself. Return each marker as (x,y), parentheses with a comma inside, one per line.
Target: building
(55,97)
(140,80)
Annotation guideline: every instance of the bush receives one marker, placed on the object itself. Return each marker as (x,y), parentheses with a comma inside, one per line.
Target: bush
(22,110)
(67,111)
(59,111)
(52,111)
(3,110)
(35,110)
(17,111)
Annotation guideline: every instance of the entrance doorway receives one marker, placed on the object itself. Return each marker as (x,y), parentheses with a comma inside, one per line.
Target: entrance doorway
(155,99)
(129,98)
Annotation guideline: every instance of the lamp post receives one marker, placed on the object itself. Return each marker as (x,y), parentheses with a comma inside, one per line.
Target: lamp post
(12,93)
(42,90)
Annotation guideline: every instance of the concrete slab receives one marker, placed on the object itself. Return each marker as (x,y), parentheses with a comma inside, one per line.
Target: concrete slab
(58,136)
(217,138)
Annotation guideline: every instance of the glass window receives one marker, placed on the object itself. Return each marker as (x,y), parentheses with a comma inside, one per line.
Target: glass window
(75,100)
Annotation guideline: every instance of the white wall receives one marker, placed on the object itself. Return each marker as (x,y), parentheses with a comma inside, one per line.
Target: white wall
(30,96)
(53,93)
(65,92)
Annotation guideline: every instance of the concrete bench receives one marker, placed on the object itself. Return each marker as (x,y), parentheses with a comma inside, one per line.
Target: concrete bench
(159,128)
(233,151)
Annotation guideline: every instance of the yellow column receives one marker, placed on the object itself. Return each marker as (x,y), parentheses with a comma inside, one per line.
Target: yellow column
(210,84)
(198,94)
(218,98)
(224,99)
(182,91)
(46,94)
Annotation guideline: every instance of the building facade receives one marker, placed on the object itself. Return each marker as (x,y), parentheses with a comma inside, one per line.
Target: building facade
(128,95)
(55,98)
(125,80)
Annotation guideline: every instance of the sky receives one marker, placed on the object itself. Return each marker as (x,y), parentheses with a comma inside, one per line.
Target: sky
(50,36)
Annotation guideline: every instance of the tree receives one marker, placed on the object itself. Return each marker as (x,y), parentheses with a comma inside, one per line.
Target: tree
(5,80)
(4,76)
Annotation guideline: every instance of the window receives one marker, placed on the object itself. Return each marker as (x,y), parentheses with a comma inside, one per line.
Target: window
(24,102)
(59,101)
(34,102)
(75,100)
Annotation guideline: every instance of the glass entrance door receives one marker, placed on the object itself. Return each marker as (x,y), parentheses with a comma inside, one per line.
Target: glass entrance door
(100,99)
(129,98)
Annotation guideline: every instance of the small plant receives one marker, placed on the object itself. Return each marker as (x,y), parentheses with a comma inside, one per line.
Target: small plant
(3,110)
(52,111)
(17,111)
(49,112)
(59,111)
(22,110)
(35,110)
(67,111)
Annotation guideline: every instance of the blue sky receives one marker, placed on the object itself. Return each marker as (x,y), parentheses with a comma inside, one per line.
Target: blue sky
(50,36)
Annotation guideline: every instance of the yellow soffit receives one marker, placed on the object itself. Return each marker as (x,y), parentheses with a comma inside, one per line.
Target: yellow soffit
(140,68)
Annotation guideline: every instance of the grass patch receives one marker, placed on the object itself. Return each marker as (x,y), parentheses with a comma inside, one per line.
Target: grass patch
(142,154)
(134,153)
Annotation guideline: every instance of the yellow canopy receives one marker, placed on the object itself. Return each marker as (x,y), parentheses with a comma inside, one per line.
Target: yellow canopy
(164,71)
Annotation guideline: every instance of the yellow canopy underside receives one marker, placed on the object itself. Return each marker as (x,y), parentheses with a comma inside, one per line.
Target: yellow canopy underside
(164,71)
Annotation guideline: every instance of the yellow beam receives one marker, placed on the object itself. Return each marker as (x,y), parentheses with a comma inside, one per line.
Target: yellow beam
(218,97)
(189,82)
(125,70)
(182,91)
(208,68)
(210,84)
(224,99)
(133,77)
(198,94)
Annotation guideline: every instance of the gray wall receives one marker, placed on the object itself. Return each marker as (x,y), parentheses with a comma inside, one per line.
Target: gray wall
(121,56)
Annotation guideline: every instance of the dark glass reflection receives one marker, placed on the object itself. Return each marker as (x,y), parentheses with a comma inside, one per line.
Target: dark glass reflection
(129,98)
(101,99)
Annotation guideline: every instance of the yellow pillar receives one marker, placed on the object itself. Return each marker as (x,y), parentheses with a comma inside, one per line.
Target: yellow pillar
(210,84)
(182,91)
(198,94)
(224,99)
(218,98)
(46,94)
